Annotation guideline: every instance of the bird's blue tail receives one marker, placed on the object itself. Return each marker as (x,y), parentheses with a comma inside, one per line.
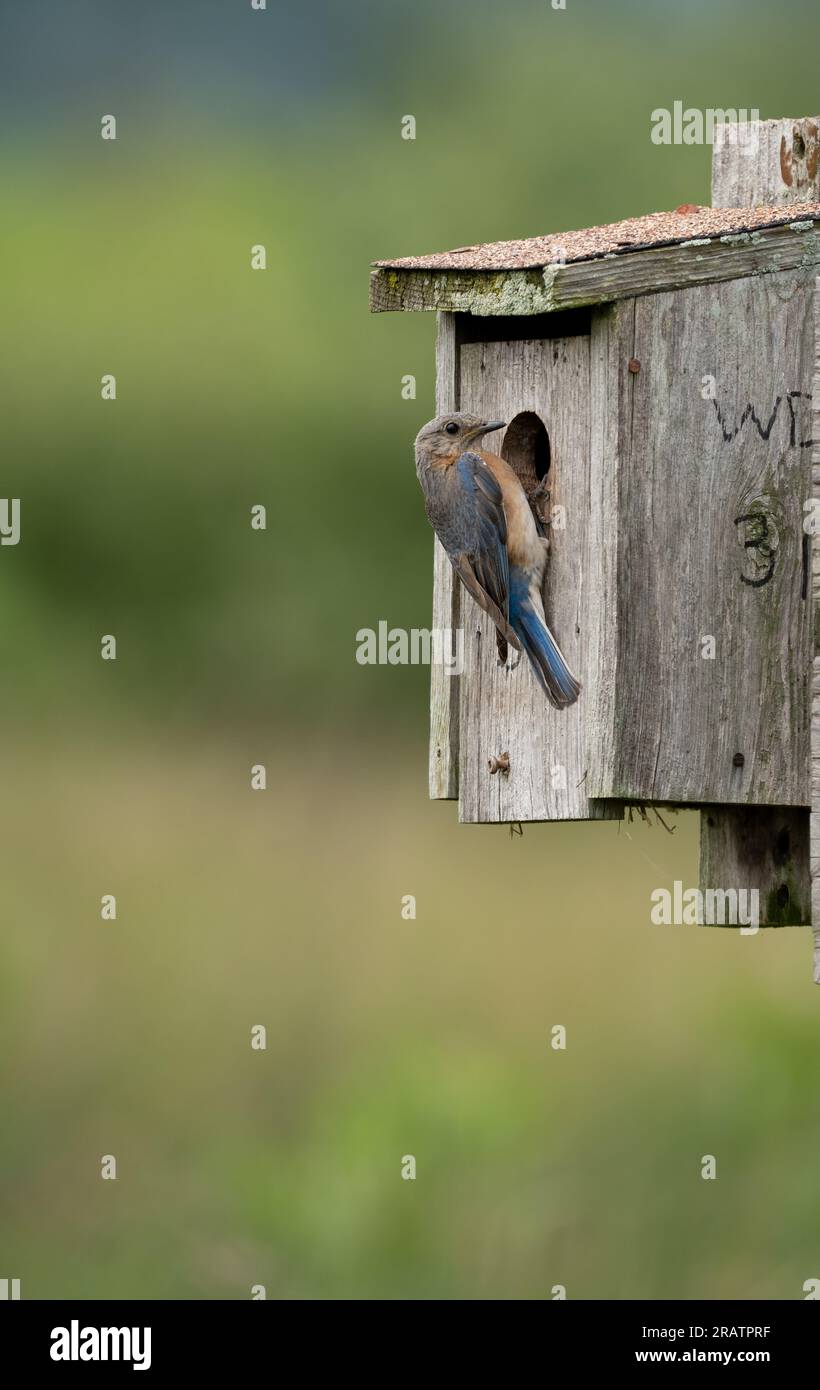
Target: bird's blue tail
(549,667)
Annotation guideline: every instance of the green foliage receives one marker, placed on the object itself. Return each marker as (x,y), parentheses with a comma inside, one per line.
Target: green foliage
(385,1037)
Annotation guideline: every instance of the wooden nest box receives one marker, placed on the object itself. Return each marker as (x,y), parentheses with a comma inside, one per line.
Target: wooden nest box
(658,373)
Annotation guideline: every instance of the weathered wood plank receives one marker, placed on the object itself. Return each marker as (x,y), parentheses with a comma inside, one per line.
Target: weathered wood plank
(777,162)
(502,709)
(765,848)
(612,338)
(712,698)
(444,695)
(814,851)
(580,283)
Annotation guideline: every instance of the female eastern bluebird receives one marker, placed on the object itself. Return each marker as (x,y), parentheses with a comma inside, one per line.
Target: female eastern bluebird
(480,513)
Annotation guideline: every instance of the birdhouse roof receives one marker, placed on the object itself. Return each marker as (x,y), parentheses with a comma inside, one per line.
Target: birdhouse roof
(685,223)
(659,250)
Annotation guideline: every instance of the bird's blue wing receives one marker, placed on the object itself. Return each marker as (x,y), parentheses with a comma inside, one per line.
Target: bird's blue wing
(472,528)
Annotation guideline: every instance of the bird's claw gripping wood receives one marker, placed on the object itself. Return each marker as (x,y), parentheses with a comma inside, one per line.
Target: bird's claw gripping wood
(539,498)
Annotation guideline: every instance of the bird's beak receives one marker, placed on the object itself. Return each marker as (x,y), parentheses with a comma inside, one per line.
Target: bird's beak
(491,425)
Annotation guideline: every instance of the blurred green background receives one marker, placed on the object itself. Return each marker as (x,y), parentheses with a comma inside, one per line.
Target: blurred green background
(235,647)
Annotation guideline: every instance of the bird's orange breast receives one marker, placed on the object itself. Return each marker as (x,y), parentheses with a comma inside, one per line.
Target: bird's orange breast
(524,545)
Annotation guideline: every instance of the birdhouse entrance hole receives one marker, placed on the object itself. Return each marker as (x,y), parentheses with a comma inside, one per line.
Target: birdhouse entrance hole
(526,448)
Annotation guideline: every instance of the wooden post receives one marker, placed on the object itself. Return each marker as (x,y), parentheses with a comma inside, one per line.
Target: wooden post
(814,850)
(775,164)
(764,848)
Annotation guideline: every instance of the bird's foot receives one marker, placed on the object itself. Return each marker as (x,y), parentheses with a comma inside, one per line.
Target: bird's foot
(539,500)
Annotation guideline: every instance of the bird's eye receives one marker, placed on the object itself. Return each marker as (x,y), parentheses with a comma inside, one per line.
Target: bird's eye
(452,428)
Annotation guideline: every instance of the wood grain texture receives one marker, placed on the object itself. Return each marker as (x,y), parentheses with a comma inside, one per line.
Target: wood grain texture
(710,514)
(777,163)
(502,710)
(610,278)
(611,344)
(444,695)
(814,851)
(778,169)
(764,848)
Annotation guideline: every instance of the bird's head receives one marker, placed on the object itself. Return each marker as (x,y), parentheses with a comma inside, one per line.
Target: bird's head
(452,434)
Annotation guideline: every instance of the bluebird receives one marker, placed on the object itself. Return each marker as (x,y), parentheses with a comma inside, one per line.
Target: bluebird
(480,513)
